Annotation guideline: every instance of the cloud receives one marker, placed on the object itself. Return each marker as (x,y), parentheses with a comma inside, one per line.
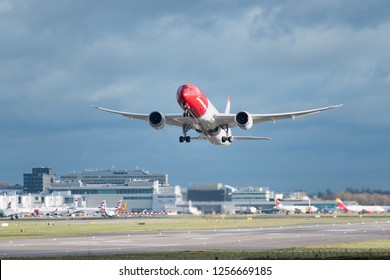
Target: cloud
(112,91)
(5,6)
(58,58)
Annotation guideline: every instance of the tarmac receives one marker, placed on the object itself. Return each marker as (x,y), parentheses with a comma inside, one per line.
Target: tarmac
(267,238)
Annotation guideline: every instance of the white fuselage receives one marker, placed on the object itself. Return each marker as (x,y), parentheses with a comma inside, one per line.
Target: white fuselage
(208,127)
(365,208)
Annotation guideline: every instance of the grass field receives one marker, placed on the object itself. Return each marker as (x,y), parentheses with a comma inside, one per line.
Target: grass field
(35,228)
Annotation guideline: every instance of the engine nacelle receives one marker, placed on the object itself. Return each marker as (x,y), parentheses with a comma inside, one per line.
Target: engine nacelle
(156,120)
(244,120)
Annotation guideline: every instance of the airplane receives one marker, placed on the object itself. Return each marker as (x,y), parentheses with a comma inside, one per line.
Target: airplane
(295,208)
(8,212)
(193,210)
(361,209)
(87,210)
(67,210)
(50,211)
(122,208)
(202,116)
(112,212)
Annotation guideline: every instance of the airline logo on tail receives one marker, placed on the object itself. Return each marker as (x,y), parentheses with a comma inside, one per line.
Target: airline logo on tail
(118,205)
(123,207)
(102,205)
(278,203)
(341,205)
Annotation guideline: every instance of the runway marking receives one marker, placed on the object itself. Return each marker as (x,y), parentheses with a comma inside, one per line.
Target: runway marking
(243,239)
(201,238)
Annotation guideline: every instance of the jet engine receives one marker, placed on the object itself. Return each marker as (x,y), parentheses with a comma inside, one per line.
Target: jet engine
(244,120)
(156,120)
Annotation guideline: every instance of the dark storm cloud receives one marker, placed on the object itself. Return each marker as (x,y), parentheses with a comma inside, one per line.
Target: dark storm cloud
(57,58)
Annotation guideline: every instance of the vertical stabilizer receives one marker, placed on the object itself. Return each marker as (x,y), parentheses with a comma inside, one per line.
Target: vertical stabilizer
(76,201)
(278,203)
(102,205)
(118,204)
(227,110)
(341,205)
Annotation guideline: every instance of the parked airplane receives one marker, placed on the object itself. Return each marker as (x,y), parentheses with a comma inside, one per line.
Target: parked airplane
(201,115)
(361,209)
(8,212)
(112,211)
(67,210)
(122,208)
(193,210)
(295,208)
(88,210)
(49,211)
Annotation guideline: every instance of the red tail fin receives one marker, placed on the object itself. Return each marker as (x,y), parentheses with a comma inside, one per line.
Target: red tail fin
(341,205)
(277,202)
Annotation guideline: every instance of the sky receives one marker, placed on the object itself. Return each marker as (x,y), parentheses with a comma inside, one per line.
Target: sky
(59,57)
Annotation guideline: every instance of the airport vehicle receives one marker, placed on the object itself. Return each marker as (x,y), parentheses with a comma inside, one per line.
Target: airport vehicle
(361,209)
(8,212)
(201,115)
(294,208)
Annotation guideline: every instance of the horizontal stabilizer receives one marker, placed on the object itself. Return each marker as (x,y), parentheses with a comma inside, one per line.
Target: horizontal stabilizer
(198,138)
(249,138)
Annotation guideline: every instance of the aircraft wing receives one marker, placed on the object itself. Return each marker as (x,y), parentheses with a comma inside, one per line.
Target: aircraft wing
(258,118)
(171,119)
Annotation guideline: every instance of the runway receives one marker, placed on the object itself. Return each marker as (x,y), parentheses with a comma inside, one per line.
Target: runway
(266,238)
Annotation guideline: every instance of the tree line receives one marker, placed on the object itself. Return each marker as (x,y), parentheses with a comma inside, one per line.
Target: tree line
(363,196)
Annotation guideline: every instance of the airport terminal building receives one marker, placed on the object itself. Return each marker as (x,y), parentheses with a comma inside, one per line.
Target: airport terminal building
(114,177)
(142,191)
(139,195)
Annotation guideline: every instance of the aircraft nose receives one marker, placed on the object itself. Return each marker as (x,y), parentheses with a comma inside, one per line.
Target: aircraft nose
(182,96)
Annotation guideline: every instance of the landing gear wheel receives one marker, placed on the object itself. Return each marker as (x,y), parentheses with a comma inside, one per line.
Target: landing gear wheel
(184,139)
(226,139)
